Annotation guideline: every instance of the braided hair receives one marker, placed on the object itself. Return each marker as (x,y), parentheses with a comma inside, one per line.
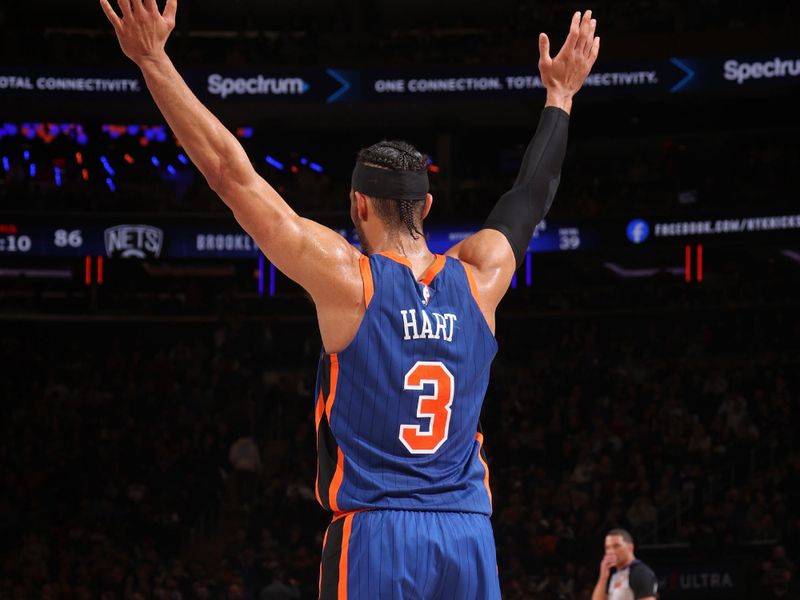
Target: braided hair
(397,156)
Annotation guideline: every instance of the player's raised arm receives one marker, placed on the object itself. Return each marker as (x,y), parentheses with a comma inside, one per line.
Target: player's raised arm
(316,257)
(499,247)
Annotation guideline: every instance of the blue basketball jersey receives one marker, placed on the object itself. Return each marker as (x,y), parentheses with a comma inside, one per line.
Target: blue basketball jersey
(397,411)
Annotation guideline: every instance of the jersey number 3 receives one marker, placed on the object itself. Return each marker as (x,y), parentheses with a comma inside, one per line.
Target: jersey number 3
(435,408)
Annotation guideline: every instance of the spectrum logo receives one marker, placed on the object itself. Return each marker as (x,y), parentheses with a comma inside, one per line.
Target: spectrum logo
(638,231)
(223,87)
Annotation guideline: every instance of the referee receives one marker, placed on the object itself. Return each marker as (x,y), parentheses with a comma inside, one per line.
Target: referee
(631,579)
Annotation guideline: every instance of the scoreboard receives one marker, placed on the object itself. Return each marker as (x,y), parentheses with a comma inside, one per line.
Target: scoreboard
(222,238)
(154,239)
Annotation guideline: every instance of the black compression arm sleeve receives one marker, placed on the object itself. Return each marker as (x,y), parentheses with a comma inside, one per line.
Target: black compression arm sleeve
(522,207)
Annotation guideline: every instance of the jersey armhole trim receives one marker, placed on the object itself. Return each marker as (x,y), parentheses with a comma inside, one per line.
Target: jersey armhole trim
(472,286)
(366,277)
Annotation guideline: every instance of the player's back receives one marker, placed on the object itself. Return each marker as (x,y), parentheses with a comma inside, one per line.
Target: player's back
(397,411)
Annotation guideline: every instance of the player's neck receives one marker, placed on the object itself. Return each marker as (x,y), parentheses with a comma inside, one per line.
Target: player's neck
(415,250)
(404,245)
(627,564)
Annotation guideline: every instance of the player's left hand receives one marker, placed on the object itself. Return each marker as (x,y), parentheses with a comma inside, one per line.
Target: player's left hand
(143,30)
(565,73)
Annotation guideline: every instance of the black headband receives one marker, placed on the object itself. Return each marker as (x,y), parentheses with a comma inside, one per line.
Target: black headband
(385,183)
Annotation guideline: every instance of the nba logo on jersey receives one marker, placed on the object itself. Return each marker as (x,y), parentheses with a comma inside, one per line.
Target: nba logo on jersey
(426,294)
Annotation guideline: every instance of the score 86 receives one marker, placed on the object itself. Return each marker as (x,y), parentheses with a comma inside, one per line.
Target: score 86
(68,239)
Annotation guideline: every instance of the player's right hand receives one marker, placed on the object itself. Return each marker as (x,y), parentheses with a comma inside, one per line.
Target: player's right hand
(142,31)
(609,561)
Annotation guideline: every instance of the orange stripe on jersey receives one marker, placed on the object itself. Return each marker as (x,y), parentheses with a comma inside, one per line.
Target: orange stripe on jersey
(479,437)
(338,475)
(366,277)
(334,358)
(336,482)
(397,258)
(433,270)
(319,410)
(348,525)
(324,541)
(472,287)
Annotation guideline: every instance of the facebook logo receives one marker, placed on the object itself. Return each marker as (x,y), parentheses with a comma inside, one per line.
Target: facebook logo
(638,231)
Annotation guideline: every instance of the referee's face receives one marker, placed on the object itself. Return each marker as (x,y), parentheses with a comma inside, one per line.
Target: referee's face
(622,550)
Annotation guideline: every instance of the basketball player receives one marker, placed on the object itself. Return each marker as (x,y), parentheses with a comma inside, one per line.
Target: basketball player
(408,336)
(631,580)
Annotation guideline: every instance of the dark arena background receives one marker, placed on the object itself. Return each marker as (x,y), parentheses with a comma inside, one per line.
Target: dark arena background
(157,435)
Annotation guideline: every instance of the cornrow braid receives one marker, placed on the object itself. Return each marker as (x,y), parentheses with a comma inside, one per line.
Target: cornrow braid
(407,216)
(410,156)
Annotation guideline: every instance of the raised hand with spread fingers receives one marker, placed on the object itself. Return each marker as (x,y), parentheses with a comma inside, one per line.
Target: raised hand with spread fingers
(564,74)
(143,30)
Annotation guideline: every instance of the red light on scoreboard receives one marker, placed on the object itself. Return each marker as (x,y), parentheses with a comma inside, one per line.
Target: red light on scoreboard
(87,278)
(700,262)
(698,269)
(688,267)
(9,228)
